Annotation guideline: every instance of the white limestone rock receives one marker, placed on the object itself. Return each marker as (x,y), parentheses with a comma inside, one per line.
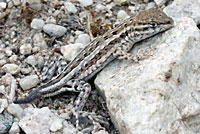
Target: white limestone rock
(11,68)
(54,30)
(160,93)
(29,82)
(34,118)
(188,8)
(71,50)
(15,110)
(83,39)
(37,24)
(25,49)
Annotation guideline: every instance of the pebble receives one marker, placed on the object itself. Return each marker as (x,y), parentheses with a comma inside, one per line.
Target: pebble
(11,68)
(25,70)
(7,79)
(25,49)
(83,38)
(122,15)
(54,30)
(37,118)
(86,2)
(71,50)
(3,104)
(13,58)
(2,62)
(37,24)
(101,132)
(2,90)
(29,82)
(8,51)
(14,129)
(70,129)
(31,60)
(6,121)
(150,5)
(70,7)
(3,5)
(15,110)
(100,7)
(16,2)
(39,41)
(56,125)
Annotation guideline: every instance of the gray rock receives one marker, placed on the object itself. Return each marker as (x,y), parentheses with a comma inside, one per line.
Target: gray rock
(31,60)
(3,5)
(41,119)
(71,50)
(3,104)
(37,24)
(54,30)
(15,110)
(14,129)
(122,15)
(39,41)
(2,62)
(29,82)
(70,129)
(6,121)
(156,94)
(25,49)
(2,89)
(16,2)
(85,2)
(188,8)
(13,58)
(83,39)
(70,7)
(56,125)
(11,68)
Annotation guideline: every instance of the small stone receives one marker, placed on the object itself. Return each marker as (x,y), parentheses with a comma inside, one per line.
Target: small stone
(31,60)
(15,110)
(25,49)
(56,125)
(2,90)
(3,5)
(3,104)
(70,7)
(25,70)
(39,41)
(71,50)
(2,62)
(6,121)
(11,68)
(101,132)
(83,38)
(37,24)
(122,15)
(37,118)
(14,129)
(8,51)
(7,79)
(16,2)
(120,1)
(150,5)
(100,7)
(54,30)
(13,58)
(29,82)
(86,2)
(69,129)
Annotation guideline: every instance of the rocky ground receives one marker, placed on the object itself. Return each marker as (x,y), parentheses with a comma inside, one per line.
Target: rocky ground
(157,95)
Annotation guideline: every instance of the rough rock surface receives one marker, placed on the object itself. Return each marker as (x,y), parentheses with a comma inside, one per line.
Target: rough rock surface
(159,94)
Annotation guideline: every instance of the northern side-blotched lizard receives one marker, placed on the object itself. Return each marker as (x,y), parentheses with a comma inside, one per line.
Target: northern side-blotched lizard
(99,52)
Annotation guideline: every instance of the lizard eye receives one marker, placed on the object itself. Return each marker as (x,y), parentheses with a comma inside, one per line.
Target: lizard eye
(153,24)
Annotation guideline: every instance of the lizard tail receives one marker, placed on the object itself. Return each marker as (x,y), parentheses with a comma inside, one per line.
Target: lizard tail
(33,95)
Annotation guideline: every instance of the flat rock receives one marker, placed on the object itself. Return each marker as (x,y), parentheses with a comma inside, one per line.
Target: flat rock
(188,8)
(5,122)
(37,118)
(29,82)
(160,93)
(11,68)
(54,30)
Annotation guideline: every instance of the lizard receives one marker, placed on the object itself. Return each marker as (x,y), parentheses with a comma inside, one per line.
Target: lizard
(115,43)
